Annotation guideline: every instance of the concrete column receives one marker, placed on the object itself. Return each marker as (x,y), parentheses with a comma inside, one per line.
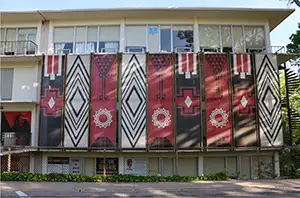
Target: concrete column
(200,165)
(121,165)
(44,163)
(196,35)
(276,164)
(122,35)
(31,162)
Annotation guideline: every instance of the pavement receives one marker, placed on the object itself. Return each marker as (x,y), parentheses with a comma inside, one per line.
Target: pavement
(203,189)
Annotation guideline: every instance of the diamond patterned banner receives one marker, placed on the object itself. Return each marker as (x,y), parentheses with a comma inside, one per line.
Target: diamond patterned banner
(133,101)
(104,100)
(76,124)
(51,100)
(244,104)
(217,100)
(269,104)
(187,101)
(160,112)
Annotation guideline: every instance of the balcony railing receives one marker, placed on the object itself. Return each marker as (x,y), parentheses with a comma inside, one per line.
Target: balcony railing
(18,47)
(278,49)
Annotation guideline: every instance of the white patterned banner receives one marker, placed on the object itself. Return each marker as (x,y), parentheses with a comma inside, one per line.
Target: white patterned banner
(76,126)
(269,102)
(133,94)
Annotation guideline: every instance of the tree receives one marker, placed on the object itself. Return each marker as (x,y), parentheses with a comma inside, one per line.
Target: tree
(297,2)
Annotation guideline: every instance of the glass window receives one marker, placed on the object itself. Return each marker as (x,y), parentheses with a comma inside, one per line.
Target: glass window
(7,75)
(255,39)
(209,37)
(135,38)
(11,34)
(153,38)
(111,166)
(165,38)
(92,39)
(226,38)
(80,40)
(183,39)
(63,40)
(109,37)
(238,40)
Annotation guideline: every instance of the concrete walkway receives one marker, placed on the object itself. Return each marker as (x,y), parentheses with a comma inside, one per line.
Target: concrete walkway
(216,189)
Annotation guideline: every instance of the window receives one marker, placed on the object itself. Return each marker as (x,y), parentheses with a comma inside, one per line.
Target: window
(2,32)
(165,38)
(109,39)
(238,39)
(255,39)
(226,38)
(63,40)
(209,38)
(135,38)
(153,38)
(183,39)
(6,83)
(111,166)
(92,39)
(80,40)
(26,35)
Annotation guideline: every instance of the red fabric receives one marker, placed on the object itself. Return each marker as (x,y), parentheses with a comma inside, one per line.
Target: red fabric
(239,62)
(49,64)
(11,117)
(56,59)
(217,98)
(160,79)
(184,63)
(104,82)
(245,60)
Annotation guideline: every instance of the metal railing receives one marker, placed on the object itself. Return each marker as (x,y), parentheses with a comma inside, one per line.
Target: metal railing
(26,47)
(278,49)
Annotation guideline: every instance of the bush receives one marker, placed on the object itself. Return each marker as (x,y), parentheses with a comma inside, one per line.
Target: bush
(58,177)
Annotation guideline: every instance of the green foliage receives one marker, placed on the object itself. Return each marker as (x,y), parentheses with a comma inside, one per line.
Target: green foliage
(290,163)
(57,177)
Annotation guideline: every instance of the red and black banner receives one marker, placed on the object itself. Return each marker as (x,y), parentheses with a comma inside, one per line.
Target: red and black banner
(104,100)
(16,128)
(160,80)
(51,102)
(187,101)
(243,95)
(217,100)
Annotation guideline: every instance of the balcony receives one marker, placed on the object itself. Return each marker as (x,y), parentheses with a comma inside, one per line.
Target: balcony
(282,54)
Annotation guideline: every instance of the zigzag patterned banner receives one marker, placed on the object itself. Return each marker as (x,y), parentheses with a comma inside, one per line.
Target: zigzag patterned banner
(51,101)
(217,100)
(133,101)
(244,103)
(269,104)
(160,78)
(187,101)
(104,81)
(77,101)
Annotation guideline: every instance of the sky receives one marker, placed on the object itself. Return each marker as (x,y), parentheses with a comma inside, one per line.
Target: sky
(279,36)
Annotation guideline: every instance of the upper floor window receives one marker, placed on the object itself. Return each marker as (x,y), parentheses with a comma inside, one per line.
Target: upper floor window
(183,39)
(135,38)
(86,39)
(225,38)
(18,41)
(7,75)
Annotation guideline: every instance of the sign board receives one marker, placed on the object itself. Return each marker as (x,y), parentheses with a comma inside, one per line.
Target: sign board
(76,165)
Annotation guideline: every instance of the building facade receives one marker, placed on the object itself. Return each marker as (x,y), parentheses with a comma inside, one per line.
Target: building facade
(141,91)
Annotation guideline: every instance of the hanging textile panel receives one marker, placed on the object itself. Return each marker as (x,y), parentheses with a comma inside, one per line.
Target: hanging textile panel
(104,100)
(16,128)
(160,116)
(187,101)
(244,105)
(269,101)
(217,100)
(76,122)
(133,101)
(51,101)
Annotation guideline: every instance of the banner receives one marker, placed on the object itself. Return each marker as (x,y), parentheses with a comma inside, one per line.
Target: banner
(133,101)
(269,101)
(244,103)
(160,105)
(217,100)
(51,101)
(188,101)
(76,125)
(104,100)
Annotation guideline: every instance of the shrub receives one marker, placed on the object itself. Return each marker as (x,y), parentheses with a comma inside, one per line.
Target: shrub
(58,177)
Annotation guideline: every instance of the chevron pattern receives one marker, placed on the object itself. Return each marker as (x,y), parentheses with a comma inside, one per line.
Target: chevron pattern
(269,103)
(77,101)
(133,109)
